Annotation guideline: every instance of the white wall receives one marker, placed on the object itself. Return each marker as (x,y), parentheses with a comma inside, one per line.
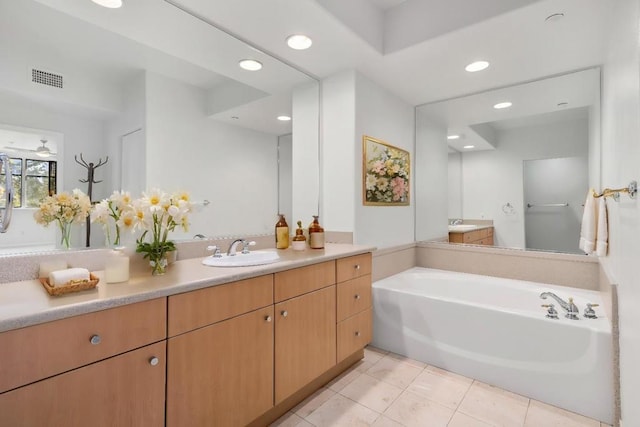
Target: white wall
(621,164)
(384,116)
(432,191)
(492,178)
(233,167)
(454,182)
(285,183)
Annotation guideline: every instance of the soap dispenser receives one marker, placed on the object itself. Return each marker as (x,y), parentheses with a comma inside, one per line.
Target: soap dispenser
(316,234)
(299,242)
(282,233)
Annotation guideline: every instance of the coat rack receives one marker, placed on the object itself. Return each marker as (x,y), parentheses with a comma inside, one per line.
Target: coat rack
(91,168)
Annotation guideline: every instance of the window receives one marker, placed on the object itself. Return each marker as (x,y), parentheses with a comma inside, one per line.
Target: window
(32,179)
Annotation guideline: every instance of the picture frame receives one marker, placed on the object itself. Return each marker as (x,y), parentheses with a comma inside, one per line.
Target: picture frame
(386,174)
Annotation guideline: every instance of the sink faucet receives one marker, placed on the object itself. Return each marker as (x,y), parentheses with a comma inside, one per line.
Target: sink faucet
(232,247)
(456,221)
(569,307)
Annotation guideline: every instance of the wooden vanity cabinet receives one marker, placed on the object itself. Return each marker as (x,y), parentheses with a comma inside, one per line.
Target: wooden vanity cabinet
(99,369)
(483,236)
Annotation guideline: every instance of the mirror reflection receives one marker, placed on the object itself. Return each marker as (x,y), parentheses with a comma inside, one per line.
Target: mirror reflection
(167,105)
(518,175)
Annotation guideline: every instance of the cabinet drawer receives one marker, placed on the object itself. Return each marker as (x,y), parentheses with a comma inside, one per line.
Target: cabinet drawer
(354,333)
(203,307)
(352,267)
(292,283)
(37,352)
(126,390)
(354,296)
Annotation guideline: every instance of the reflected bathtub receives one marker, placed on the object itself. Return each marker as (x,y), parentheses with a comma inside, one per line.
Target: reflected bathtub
(494,330)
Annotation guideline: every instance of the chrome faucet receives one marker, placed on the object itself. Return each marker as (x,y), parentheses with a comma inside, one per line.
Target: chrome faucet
(571,309)
(232,247)
(456,221)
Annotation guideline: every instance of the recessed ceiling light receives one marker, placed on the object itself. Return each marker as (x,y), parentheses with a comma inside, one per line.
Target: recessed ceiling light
(299,42)
(477,66)
(250,64)
(235,117)
(453,136)
(284,118)
(562,104)
(468,147)
(111,4)
(501,105)
(554,17)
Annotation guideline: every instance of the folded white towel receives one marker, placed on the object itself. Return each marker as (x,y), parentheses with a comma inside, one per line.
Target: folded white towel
(62,277)
(589,225)
(602,234)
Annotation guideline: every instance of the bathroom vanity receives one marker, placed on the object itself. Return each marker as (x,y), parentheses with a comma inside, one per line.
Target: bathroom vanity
(211,346)
(480,235)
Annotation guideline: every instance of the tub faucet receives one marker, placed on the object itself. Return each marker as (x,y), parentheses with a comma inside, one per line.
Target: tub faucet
(456,221)
(571,309)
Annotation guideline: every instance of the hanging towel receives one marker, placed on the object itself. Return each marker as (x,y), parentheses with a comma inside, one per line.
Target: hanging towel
(602,232)
(589,225)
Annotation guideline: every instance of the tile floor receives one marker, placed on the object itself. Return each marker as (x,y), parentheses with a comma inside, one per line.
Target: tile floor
(387,390)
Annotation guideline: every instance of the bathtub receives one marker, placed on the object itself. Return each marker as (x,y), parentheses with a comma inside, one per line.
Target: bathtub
(494,330)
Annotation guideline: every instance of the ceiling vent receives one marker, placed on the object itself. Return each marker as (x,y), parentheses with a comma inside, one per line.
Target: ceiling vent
(46,78)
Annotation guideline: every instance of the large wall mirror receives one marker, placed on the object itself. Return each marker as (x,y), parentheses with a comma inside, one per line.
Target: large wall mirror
(525,168)
(159,91)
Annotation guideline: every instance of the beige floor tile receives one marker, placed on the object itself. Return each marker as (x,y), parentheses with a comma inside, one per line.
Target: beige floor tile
(461,420)
(371,392)
(394,372)
(541,414)
(383,421)
(343,379)
(342,412)
(291,420)
(446,390)
(371,356)
(494,405)
(313,402)
(444,373)
(408,360)
(412,410)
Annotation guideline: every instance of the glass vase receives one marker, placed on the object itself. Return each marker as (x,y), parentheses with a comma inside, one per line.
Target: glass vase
(65,234)
(158,263)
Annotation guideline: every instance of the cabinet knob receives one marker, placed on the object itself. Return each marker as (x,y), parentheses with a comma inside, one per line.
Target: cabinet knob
(95,339)
(357,266)
(357,333)
(267,318)
(284,313)
(357,296)
(154,361)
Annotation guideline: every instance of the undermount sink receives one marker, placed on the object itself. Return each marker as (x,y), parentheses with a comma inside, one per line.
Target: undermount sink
(242,260)
(462,227)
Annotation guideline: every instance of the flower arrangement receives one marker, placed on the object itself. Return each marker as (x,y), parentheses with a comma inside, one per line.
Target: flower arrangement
(386,174)
(65,209)
(158,213)
(118,207)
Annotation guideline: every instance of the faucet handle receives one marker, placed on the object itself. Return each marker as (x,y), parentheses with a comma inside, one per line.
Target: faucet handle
(216,251)
(589,312)
(552,313)
(245,246)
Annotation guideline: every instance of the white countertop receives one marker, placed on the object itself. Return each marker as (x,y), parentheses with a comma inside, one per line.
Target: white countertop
(26,303)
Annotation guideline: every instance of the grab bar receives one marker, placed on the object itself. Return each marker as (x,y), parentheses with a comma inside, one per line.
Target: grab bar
(548,205)
(8,193)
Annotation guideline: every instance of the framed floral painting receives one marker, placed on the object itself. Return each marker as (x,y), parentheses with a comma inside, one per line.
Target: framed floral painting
(385,173)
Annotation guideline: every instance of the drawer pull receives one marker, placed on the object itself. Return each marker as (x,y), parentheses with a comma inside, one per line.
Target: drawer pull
(357,266)
(95,339)
(357,296)
(267,318)
(357,333)
(284,313)
(154,361)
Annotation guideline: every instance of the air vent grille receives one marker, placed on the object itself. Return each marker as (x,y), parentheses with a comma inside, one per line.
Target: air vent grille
(46,78)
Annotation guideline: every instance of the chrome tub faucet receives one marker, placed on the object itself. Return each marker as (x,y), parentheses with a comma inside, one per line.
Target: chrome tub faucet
(569,307)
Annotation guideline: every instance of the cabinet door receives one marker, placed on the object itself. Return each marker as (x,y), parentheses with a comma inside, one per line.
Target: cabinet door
(126,390)
(305,340)
(222,374)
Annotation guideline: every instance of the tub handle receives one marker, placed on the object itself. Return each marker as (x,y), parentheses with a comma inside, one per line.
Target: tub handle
(552,313)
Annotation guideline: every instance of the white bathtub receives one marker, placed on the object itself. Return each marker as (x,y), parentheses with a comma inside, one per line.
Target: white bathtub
(494,330)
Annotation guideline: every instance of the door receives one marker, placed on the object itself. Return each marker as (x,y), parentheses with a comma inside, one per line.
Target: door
(126,390)
(222,374)
(305,340)
(554,192)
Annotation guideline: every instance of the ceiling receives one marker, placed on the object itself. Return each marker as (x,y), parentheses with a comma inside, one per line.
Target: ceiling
(428,66)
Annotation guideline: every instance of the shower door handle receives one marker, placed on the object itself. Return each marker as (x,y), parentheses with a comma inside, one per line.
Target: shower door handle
(8,193)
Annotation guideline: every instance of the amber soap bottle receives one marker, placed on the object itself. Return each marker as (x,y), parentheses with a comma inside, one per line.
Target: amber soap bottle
(316,234)
(282,233)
